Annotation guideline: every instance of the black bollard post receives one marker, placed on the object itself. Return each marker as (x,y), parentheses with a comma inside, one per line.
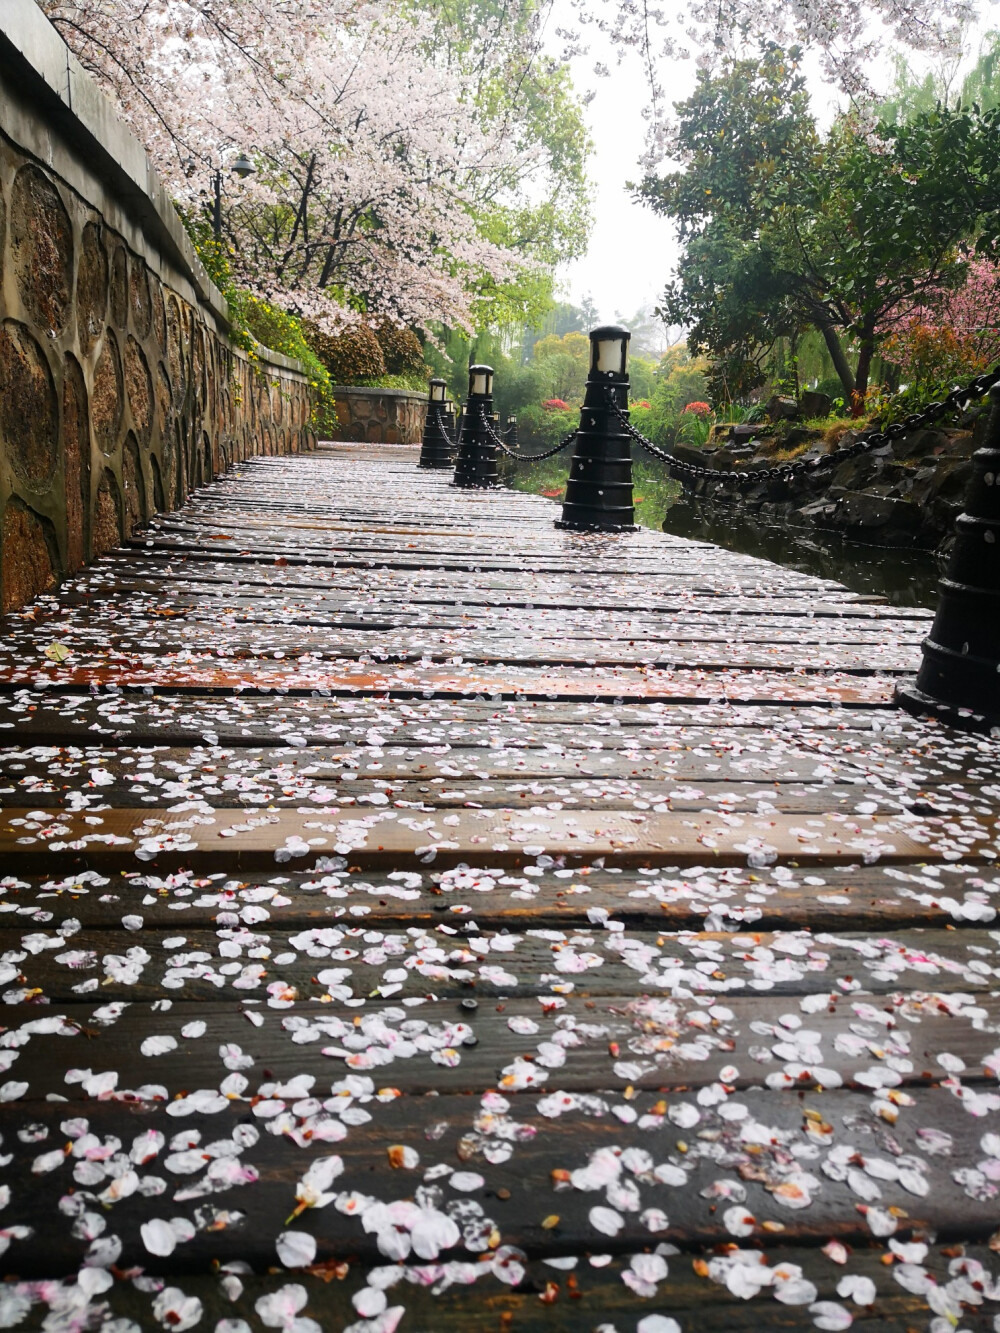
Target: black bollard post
(436,451)
(959,681)
(476,468)
(599,490)
(510,435)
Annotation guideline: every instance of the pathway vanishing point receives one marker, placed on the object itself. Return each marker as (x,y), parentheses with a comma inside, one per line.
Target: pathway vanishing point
(417,917)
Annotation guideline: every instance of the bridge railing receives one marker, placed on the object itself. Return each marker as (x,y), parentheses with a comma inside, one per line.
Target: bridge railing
(959,680)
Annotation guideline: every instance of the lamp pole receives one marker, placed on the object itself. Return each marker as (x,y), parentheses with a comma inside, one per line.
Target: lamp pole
(242,167)
(436,450)
(476,468)
(599,490)
(959,678)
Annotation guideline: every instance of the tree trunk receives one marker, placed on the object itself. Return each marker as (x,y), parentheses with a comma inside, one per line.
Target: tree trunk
(862,373)
(840,362)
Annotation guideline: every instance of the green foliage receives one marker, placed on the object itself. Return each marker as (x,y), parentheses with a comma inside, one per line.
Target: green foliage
(401,351)
(913,95)
(254,321)
(677,380)
(785,228)
(414,381)
(545,425)
(565,362)
(352,357)
(215,255)
(530,97)
(286,333)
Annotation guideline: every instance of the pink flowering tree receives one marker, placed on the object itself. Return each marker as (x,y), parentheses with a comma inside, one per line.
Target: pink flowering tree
(378,185)
(950,335)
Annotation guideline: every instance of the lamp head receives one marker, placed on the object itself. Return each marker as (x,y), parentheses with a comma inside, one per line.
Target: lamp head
(437,391)
(609,352)
(480,381)
(243,167)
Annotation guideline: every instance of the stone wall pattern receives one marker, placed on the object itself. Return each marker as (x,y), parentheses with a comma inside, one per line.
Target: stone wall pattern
(119,393)
(379,416)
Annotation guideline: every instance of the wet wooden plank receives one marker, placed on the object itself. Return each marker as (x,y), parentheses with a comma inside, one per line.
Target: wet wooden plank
(848,897)
(230,839)
(459,959)
(526,1187)
(565,1299)
(705,1010)
(454,1046)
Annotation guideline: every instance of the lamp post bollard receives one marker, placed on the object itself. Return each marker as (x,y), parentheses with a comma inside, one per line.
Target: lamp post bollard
(476,468)
(436,448)
(959,680)
(599,490)
(510,435)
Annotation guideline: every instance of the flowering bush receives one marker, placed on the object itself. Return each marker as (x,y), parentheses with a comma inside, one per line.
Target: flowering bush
(546,424)
(952,337)
(644,403)
(698,409)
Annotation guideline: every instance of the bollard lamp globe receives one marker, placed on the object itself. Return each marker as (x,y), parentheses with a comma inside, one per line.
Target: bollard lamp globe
(438,389)
(609,352)
(480,381)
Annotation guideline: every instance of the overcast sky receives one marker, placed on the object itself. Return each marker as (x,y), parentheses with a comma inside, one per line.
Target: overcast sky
(632,252)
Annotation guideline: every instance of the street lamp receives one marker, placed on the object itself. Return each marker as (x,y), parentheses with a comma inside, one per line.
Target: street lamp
(436,450)
(243,168)
(476,467)
(599,489)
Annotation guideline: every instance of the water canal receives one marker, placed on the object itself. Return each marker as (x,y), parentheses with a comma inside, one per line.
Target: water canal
(906,576)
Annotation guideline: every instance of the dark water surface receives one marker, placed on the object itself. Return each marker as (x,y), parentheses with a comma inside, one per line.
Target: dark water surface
(905,576)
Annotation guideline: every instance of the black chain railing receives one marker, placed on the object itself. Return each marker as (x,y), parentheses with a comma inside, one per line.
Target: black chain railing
(787,472)
(527,458)
(443,428)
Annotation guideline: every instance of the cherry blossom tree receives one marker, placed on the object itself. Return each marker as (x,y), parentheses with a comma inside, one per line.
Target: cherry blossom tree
(375,180)
(414,158)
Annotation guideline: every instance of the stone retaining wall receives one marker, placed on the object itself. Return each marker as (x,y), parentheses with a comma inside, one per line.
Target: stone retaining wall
(908,493)
(380,416)
(119,388)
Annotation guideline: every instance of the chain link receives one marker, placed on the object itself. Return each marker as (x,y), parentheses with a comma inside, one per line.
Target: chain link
(527,458)
(787,472)
(443,428)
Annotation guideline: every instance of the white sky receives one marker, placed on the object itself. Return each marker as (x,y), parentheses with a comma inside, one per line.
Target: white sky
(632,252)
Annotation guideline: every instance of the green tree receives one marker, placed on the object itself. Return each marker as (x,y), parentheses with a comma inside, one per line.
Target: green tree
(541,208)
(785,228)
(945,84)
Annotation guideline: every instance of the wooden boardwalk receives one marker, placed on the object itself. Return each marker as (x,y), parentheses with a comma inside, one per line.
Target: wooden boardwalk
(417,917)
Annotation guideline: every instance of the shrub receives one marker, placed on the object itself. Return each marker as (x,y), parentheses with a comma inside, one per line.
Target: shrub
(401,351)
(545,425)
(351,357)
(286,333)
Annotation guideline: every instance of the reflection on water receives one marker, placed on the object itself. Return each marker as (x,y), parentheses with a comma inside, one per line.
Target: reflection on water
(906,577)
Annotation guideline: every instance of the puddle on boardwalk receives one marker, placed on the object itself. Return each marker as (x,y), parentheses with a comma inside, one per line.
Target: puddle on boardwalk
(905,576)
